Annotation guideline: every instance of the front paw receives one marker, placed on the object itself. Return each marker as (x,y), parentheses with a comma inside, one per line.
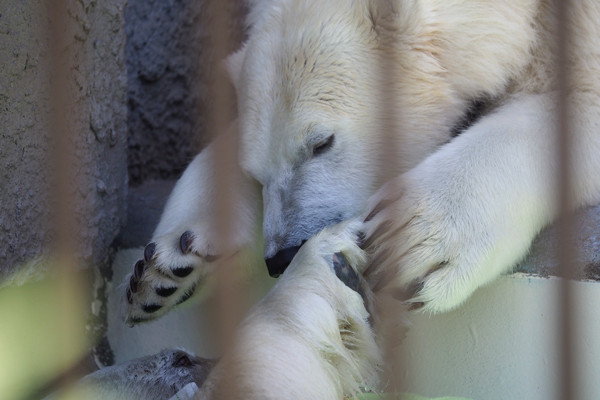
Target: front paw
(429,244)
(172,268)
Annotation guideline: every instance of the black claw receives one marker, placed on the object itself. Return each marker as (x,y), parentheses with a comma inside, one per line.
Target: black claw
(378,207)
(182,272)
(414,289)
(138,269)
(137,320)
(133,284)
(415,306)
(149,251)
(129,296)
(165,291)
(344,271)
(187,295)
(150,308)
(185,242)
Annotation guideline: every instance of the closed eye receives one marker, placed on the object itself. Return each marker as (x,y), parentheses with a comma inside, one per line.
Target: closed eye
(323,146)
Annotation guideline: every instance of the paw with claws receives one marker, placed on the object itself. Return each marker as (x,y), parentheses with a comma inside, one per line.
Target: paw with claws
(172,268)
(433,242)
(184,249)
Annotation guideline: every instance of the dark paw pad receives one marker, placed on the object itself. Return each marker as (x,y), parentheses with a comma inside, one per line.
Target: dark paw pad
(182,272)
(149,251)
(165,291)
(345,272)
(150,308)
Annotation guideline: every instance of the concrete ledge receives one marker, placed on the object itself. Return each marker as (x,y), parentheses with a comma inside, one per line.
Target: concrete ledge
(502,344)
(542,258)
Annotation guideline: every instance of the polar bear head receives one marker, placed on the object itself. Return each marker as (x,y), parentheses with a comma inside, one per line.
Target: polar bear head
(310,88)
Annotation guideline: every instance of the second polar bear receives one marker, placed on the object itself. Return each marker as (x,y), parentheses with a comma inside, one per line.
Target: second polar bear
(318,83)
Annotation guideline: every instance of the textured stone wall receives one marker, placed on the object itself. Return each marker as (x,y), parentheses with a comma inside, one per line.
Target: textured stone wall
(22,134)
(97,108)
(168,69)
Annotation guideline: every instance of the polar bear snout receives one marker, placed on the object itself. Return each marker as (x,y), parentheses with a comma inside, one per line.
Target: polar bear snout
(280,261)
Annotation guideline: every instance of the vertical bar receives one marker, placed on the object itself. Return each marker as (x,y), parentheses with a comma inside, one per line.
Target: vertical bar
(62,157)
(229,289)
(390,308)
(566,250)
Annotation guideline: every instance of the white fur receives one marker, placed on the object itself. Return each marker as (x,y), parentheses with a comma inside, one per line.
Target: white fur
(463,210)
(191,207)
(309,338)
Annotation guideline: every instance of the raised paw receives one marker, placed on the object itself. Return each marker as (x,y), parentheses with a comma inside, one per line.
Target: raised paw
(172,268)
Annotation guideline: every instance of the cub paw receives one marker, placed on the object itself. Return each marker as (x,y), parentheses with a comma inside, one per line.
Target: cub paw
(172,268)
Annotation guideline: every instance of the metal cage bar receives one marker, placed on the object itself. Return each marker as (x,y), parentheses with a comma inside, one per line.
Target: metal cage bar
(567,329)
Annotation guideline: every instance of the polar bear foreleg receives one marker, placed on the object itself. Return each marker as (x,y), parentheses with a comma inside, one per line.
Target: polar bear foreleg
(184,245)
(470,211)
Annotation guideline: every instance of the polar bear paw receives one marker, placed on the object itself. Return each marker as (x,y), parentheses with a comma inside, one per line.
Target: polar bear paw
(424,246)
(173,267)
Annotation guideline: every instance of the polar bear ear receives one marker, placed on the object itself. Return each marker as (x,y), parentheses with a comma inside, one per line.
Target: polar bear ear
(233,63)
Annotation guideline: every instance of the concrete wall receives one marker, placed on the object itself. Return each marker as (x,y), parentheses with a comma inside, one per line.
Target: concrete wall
(168,69)
(22,133)
(98,88)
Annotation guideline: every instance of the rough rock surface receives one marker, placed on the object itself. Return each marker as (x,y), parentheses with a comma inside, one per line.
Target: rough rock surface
(542,258)
(97,81)
(169,72)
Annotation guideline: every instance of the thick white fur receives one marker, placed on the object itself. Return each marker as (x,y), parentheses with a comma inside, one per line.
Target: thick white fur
(309,338)
(462,210)
(191,207)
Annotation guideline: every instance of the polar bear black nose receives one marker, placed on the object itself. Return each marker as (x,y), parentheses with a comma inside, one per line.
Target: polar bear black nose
(279,262)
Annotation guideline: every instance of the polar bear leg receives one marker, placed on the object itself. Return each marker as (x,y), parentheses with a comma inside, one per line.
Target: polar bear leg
(470,211)
(184,245)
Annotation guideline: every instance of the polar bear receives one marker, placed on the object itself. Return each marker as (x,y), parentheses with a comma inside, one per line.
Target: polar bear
(452,103)
(311,337)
